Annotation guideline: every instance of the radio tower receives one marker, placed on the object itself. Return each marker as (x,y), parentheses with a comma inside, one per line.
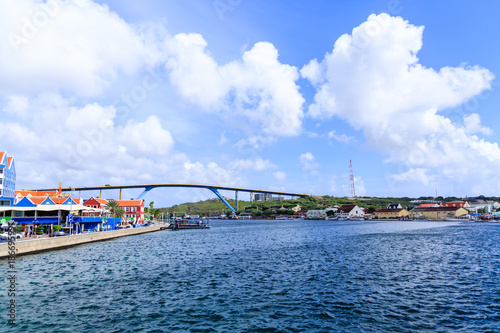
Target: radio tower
(352,191)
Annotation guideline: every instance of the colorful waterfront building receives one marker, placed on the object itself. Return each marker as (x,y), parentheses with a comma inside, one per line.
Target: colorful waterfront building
(390,213)
(438,213)
(134,210)
(350,211)
(96,203)
(7,179)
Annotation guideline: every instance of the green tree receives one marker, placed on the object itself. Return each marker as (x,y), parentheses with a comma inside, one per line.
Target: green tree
(119,212)
(113,207)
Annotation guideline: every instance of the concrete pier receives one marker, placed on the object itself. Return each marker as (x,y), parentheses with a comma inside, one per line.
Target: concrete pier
(30,246)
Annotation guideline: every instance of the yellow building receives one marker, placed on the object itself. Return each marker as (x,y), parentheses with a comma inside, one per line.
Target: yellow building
(438,213)
(387,213)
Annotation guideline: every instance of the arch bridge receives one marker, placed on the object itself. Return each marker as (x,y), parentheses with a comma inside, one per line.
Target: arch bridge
(148,187)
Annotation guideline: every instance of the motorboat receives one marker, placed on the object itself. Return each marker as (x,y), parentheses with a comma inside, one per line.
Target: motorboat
(189,224)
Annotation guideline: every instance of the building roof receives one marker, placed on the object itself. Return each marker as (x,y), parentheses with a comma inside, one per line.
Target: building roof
(388,210)
(2,155)
(37,200)
(36,193)
(9,161)
(130,202)
(436,209)
(346,208)
(427,205)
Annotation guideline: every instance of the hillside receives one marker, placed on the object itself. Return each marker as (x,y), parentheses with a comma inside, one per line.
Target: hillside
(214,206)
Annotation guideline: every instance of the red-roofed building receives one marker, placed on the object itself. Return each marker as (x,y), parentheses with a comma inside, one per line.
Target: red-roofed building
(349,211)
(29,194)
(463,204)
(134,209)
(95,203)
(428,205)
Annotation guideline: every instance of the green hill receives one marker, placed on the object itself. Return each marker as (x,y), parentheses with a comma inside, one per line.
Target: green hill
(214,206)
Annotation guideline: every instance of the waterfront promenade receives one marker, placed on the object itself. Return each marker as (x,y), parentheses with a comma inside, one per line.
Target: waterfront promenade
(35,245)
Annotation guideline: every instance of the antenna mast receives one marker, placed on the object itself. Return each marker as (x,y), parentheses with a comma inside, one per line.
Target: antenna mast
(352,191)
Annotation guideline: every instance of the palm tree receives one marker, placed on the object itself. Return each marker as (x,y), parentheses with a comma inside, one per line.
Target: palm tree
(112,206)
(119,212)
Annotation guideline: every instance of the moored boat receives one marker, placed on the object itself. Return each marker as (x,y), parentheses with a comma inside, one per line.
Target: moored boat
(189,224)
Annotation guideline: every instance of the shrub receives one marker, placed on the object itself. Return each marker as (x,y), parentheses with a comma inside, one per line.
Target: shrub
(56,227)
(39,230)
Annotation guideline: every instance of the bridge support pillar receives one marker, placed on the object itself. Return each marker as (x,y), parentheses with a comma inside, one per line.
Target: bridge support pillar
(222,198)
(146,190)
(236,200)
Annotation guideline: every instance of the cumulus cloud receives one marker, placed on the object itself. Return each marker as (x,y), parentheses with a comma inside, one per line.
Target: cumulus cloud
(373,80)
(86,147)
(258,87)
(17,105)
(308,162)
(280,175)
(359,187)
(257,164)
(342,138)
(75,46)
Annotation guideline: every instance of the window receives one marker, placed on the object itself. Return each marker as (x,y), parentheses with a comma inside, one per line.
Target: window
(1,171)
(134,209)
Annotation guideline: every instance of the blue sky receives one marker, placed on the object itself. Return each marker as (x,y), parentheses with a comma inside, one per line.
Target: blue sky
(277,95)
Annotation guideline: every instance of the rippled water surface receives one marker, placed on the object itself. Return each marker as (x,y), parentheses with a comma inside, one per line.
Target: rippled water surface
(268,276)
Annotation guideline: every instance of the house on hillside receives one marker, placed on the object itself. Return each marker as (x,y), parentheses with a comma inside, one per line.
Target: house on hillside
(350,211)
(394,206)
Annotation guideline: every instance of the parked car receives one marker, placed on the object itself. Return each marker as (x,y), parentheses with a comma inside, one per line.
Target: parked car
(5,235)
(60,233)
(122,227)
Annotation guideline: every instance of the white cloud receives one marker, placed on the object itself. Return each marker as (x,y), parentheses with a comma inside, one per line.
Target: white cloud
(223,138)
(342,138)
(308,162)
(359,187)
(17,105)
(75,46)
(258,87)
(257,164)
(373,80)
(253,145)
(279,175)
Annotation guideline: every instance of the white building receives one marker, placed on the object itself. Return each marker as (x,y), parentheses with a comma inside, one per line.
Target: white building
(350,211)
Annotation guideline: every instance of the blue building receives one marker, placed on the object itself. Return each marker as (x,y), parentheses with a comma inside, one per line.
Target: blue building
(7,179)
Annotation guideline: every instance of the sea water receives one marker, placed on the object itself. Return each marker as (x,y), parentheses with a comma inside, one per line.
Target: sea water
(267,276)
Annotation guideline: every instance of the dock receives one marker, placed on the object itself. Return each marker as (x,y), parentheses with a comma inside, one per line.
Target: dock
(31,246)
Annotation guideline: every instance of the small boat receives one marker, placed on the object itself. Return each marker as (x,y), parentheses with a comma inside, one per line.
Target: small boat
(189,224)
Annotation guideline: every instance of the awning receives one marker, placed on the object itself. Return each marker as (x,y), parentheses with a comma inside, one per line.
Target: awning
(49,208)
